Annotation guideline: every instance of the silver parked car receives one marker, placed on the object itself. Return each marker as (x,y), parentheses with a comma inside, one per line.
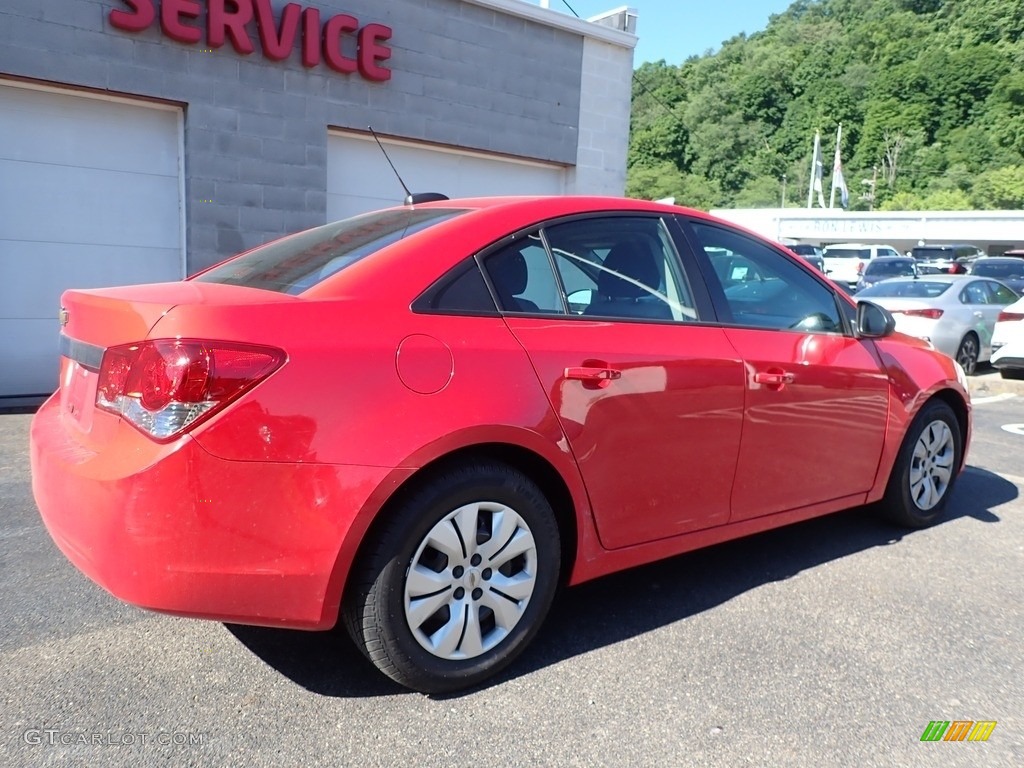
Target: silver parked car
(957,314)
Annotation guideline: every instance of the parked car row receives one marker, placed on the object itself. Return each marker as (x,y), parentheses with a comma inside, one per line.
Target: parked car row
(956,313)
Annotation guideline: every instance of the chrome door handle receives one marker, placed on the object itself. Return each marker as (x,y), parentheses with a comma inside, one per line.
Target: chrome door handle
(593,374)
(776,379)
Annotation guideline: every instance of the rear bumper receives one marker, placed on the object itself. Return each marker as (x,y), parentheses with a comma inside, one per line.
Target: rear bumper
(175,529)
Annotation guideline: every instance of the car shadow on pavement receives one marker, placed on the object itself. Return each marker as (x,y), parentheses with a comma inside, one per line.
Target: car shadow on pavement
(624,605)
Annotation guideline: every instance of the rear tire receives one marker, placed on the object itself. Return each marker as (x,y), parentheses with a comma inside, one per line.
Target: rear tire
(926,468)
(456,583)
(967,354)
(1012,373)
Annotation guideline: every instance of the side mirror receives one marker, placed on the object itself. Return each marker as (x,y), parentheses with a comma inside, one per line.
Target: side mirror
(873,321)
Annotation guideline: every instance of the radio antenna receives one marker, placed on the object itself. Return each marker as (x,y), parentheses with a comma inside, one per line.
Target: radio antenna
(410,198)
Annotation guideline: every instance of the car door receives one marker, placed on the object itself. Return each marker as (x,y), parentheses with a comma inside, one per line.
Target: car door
(985,300)
(648,395)
(816,398)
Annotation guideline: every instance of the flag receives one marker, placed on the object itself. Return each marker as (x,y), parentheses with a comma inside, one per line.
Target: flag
(838,182)
(816,171)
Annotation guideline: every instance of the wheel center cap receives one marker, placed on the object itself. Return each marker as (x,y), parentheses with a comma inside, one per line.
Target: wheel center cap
(472,578)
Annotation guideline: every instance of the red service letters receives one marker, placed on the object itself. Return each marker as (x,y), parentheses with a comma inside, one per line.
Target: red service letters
(333,39)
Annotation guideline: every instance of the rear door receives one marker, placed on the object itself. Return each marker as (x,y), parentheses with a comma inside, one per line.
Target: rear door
(648,393)
(816,398)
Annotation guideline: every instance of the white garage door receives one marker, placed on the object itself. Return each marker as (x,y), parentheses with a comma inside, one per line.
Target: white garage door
(90,196)
(359,178)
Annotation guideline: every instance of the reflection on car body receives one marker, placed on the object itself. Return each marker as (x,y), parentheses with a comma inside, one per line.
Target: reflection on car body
(424,421)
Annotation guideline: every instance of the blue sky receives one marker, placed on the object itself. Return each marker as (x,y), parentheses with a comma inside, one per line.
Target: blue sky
(675,29)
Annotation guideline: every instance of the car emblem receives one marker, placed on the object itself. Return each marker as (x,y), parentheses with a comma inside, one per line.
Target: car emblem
(63,316)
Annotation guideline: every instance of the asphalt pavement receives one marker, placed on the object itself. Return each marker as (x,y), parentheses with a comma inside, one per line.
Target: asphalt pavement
(834,642)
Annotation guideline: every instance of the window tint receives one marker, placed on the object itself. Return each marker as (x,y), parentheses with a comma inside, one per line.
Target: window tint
(621,267)
(763,288)
(296,263)
(462,290)
(901,268)
(522,277)
(847,253)
(1000,293)
(975,293)
(999,269)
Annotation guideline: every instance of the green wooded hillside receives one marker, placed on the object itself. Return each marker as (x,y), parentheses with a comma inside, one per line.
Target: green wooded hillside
(930,94)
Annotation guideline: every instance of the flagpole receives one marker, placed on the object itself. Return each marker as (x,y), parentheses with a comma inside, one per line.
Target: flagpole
(814,168)
(835,164)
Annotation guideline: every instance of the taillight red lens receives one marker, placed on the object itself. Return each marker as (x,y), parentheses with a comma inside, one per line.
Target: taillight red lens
(931,314)
(1005,317)
(166,385)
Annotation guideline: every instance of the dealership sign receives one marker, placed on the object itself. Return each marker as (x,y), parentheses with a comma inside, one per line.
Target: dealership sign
(325,40)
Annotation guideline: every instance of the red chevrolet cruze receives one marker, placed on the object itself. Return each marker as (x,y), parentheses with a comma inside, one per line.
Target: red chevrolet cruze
(427,419)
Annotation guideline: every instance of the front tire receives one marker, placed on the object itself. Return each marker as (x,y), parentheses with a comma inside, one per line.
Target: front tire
(926,468)
(458,579)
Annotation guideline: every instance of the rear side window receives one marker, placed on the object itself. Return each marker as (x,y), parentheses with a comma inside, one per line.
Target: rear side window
(296,263)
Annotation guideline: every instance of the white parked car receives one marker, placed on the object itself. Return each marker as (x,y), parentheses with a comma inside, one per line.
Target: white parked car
(845,262)
(1008,342)
(956,313)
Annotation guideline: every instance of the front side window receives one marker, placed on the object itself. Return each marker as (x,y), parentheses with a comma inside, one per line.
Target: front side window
(765,289)
(1000,293)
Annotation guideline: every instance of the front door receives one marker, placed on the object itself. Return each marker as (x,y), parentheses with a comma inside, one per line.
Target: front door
(816,401)
(649,397)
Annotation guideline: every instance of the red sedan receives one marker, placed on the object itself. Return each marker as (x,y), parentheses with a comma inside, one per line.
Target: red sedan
(427,419)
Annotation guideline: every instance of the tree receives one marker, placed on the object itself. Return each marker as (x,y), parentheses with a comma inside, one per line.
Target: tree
(1001,189)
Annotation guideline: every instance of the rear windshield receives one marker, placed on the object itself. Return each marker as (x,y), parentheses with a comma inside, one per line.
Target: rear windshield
(805,250)
(847,253)
(910,289)
(932,253)
(297,263)
(999,270)
(891,268)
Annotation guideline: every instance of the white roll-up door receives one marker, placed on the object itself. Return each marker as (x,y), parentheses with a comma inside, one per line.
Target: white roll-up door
(90,196)
(359,178)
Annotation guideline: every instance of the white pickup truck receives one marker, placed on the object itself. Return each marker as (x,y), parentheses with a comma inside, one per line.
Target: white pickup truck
(844,262)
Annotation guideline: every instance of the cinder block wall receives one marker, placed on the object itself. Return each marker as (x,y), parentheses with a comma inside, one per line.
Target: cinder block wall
(256,130)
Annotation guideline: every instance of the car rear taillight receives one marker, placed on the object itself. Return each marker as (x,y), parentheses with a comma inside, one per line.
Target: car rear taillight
(165,386)
(1006,317)
(931,314)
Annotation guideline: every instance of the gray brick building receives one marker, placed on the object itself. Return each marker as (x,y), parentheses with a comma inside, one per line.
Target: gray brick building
(143,140)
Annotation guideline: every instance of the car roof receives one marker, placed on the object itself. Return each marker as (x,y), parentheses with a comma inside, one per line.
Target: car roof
(882,259)
(998,259)
(935,279)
